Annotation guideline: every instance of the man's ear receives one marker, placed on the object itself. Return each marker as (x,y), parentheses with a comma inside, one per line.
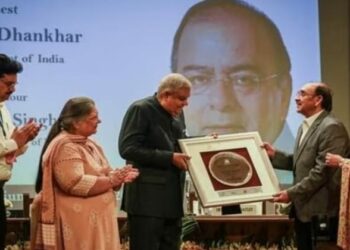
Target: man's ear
(319,101)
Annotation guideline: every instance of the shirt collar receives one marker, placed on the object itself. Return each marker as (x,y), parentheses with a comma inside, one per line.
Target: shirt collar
(310,120)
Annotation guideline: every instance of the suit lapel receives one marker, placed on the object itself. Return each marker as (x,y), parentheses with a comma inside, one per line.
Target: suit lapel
(310,132)
(297,139)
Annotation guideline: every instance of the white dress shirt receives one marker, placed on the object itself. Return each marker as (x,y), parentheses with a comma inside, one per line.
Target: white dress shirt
(307,124)
(7,144)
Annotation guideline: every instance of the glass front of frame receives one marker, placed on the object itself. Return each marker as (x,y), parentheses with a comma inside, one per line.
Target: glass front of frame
(230,169)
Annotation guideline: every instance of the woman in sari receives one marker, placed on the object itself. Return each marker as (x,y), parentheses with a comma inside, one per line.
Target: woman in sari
(333,160)
(76,206)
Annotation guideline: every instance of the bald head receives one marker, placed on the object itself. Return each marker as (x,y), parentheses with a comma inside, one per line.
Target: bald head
(238,19)
(313,98)
(322,89)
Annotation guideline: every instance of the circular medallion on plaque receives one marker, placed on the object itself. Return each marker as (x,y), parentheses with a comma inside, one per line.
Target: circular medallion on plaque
(230,169)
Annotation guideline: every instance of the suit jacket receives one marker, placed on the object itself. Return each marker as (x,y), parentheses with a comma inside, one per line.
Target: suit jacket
(148,138)
(316,187)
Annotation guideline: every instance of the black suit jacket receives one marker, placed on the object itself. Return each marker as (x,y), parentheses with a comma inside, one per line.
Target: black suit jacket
(148,138)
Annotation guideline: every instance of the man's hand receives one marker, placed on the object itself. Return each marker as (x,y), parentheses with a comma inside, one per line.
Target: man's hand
(281,197)
(180,160)
(271,151)
(26,133)
(214,135)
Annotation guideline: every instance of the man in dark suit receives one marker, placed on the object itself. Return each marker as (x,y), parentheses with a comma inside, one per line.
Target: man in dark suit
(316,188)
(148,140)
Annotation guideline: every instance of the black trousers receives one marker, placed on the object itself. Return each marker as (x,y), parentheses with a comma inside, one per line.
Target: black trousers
(304,234)
(308,233)
(151,233)
(2,218)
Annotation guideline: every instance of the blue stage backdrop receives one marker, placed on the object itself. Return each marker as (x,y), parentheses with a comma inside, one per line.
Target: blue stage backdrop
(116,52)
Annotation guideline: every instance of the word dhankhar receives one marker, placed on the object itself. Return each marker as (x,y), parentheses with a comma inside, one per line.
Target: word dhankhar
(54,36)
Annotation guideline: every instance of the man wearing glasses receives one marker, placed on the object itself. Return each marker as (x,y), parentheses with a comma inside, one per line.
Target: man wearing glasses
(239,68)
(12,140)
(316,188)
(235,58)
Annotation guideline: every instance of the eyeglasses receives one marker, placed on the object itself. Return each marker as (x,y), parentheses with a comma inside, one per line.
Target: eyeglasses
(9,84)
(303,93)
(241,82)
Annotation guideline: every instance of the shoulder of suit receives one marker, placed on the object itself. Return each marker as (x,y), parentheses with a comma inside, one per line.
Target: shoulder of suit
(331,119)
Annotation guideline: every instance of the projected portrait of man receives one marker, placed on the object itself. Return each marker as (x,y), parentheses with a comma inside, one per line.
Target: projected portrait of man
(239,67)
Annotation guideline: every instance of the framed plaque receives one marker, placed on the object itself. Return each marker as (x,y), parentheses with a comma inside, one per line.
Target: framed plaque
(230,169)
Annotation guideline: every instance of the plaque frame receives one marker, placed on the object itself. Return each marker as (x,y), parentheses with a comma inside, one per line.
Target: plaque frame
(208,194)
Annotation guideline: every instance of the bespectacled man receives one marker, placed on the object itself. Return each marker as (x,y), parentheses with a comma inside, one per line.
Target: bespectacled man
(239,68)
(12,140)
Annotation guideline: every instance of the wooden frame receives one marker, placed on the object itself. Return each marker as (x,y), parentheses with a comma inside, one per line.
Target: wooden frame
(230,169)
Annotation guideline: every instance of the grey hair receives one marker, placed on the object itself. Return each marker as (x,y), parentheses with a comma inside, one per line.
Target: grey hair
(74,110)
(173,82)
